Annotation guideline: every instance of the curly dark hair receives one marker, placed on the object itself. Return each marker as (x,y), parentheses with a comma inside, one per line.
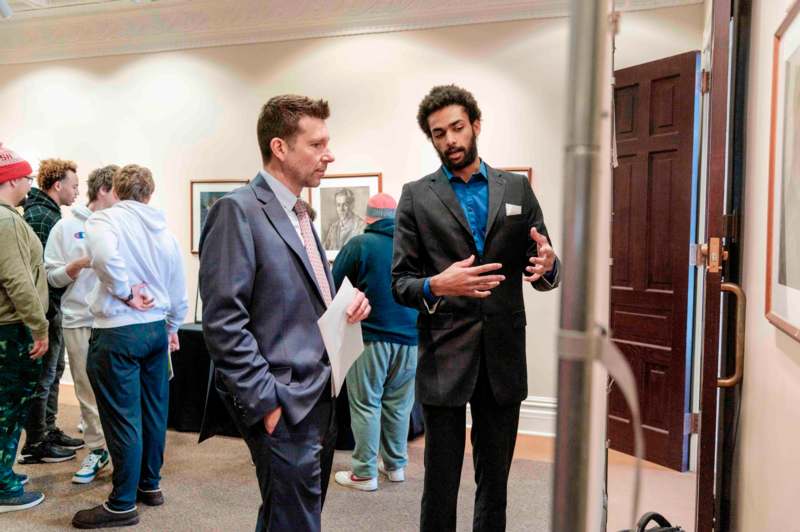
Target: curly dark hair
(280,117)
(440,97)
(101,178)
(52,171)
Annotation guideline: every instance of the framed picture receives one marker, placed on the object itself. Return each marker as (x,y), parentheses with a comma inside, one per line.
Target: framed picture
(340,202)
(203,195)
(783,224)
(524,170)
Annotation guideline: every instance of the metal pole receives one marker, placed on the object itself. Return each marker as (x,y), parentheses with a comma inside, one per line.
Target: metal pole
(577,344)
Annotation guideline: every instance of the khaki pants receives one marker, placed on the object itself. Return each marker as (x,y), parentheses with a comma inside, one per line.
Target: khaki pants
(77,344)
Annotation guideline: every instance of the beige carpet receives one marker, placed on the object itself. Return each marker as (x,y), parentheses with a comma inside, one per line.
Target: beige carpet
(212,486)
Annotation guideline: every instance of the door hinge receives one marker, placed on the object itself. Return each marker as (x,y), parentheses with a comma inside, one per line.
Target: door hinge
(705,81)
(696,258)
(692,423)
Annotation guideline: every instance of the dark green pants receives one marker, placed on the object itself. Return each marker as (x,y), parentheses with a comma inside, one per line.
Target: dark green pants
(18,377)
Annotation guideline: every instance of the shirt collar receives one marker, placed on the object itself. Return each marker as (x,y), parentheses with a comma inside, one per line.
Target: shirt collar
(482,171)
(286,197)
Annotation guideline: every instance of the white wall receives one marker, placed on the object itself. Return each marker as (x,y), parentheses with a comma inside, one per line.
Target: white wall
(767,462)
(191,115)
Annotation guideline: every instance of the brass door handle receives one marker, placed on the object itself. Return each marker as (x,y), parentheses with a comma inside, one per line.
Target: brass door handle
(741,311)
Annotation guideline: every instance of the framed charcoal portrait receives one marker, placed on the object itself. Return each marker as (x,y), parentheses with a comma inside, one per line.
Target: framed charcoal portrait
(203,196)
(783,225)
(340,202)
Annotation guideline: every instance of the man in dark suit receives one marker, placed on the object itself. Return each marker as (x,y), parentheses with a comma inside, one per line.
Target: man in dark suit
(466,238)
(265,282)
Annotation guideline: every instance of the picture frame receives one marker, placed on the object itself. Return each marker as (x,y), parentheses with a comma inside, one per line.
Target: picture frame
(202,195)
(524,170)
(782,307)
(340,202)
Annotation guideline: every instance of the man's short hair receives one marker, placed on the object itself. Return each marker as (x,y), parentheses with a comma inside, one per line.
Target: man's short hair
(134,182)
(349,196)
(442,96)
(280,117)
(51,171)
(101,179)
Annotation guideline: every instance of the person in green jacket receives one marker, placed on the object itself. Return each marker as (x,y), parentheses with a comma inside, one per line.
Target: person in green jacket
(23,325)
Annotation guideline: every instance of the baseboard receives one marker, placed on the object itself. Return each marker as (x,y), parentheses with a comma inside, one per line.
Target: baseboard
(537,416)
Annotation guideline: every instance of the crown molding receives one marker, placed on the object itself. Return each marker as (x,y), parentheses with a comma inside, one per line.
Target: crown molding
(123,27)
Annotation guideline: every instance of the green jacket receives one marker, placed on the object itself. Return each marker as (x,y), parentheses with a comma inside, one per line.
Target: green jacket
(42,214)
(23,280)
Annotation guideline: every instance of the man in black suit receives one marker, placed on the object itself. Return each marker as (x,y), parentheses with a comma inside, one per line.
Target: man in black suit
(265,282)
(466,238)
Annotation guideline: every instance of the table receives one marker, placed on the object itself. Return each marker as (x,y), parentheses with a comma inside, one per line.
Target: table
(188,388)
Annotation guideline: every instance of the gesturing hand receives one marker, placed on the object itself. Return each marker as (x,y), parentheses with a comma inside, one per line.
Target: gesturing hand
(140,301)
(463,279)
(545,259)
(40,347)
(359,309)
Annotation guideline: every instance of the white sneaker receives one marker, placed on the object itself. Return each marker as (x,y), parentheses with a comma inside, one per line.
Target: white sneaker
(81,425)
(91,465)
(396,475)
(346,478)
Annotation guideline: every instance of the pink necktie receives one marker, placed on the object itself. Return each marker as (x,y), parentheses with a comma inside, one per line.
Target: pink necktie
(310,243)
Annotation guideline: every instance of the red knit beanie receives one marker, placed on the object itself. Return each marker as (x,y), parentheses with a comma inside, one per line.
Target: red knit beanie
(12,166)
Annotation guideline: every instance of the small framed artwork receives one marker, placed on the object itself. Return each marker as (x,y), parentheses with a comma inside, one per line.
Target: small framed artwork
(783,224)
(524,170)
(203,194)
(340,202)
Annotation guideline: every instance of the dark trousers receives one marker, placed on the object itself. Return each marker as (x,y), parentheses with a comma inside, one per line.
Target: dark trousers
(128,370)
(493,436)
(293,466)
(44,401)
(18,377)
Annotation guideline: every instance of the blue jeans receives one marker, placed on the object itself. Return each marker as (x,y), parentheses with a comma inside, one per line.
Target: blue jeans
(127,367)
(380,386)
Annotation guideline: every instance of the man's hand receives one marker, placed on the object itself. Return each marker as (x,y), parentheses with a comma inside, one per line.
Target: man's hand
(74,268)
(39,348)
(140,301)
(174,343)
(463,279)
(545,259)
(271,420)
(359,309)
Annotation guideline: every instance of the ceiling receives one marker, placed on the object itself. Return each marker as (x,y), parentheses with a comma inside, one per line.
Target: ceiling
(45,30)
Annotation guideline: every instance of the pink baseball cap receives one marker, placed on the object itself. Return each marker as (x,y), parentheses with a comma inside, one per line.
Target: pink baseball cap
(380,206)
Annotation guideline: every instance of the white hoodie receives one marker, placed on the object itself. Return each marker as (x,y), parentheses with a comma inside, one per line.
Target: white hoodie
(66,243)
(129,244)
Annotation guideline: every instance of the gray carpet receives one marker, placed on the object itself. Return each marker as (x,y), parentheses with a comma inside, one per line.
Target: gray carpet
(212,486)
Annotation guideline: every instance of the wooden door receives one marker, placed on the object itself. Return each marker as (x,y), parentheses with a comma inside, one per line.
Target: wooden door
(650,239)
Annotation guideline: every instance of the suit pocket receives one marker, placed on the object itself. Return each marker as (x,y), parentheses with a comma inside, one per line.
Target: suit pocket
(282,374)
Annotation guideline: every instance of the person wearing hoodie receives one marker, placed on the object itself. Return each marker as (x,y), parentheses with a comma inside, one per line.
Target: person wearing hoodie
(380,384)
(67,263)
(23,325)
(137,306)
(44,441)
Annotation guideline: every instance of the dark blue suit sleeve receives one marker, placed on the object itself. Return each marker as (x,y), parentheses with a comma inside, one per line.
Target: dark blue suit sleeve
(227,273)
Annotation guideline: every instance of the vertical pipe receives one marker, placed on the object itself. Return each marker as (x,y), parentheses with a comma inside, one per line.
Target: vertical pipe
(576,348)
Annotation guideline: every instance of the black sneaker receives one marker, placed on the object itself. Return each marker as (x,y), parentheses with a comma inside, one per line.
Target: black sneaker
(150,497)
(58,437)
(20,502)
(102,517)
(45,452)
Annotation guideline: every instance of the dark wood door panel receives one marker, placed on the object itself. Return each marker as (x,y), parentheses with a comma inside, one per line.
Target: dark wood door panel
(654,106)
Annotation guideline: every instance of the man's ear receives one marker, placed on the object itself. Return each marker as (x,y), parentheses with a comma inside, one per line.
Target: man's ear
(278,147)
(476,127)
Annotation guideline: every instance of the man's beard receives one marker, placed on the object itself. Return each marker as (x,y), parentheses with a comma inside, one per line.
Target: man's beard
(470,155)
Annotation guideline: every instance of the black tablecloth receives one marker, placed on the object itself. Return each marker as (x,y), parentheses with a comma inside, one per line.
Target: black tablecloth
(187,393)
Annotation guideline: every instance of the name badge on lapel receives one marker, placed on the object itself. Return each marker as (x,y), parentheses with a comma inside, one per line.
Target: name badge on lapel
(513,210)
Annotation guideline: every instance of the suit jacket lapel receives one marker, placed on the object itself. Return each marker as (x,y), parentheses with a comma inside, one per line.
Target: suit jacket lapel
(497,191)
(278,218)
(442,188)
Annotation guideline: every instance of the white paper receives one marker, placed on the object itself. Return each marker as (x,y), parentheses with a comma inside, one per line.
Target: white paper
(342,340)
(512,210)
